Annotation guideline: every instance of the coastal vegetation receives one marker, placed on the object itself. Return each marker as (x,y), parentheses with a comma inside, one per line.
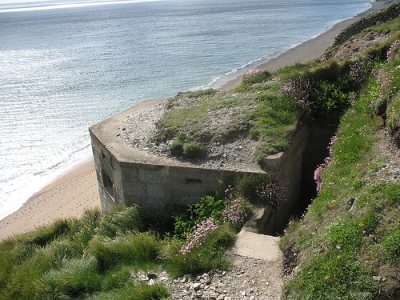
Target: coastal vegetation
(346,245)
(98,255)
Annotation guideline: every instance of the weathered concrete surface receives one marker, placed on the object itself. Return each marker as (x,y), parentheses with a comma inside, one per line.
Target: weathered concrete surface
(288,169)
(128,176)
(259,246)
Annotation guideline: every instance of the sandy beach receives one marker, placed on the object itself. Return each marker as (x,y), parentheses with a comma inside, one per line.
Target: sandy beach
(73,193)
(309,50)
(68,196)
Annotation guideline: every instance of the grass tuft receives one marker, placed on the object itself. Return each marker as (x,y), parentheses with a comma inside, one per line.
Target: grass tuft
(134,249)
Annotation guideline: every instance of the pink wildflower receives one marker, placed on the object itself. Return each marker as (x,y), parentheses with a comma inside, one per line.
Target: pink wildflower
(252,72)
(235,213)
(198,234)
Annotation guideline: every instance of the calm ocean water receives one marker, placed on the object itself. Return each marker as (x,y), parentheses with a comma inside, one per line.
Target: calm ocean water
(66,65)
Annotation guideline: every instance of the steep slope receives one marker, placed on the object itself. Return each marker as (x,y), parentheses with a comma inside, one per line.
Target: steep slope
(347,244)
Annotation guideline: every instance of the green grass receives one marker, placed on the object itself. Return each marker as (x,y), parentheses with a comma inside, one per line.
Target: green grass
(134,292)
(134,249)
(79,258)
(194,121)
(351,231)
(93,257)
(207,256)
(348,237)
(256,109)
(387,26)
(332,275)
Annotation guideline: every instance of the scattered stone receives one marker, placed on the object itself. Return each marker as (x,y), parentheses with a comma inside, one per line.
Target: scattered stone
(223,285)
(163,279)
(379,278)
(196,286)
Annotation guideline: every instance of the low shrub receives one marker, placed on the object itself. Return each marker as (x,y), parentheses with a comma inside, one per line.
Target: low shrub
(236,213)
(391,244)
(75,277)
(159,222)
(206,208)
(260,189)
(46,234)
(176,148)
(223,237)
(193,150)
(200,93)
(134,249)
(252,77)
(199,233)
(119,221)
(207,254)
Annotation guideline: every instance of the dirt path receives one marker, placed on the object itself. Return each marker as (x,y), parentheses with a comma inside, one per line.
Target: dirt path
(257,274)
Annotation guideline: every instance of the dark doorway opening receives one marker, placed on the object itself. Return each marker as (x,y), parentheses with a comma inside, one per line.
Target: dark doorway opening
(315,153)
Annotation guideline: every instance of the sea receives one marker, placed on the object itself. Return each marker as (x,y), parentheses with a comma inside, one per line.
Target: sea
(66,65)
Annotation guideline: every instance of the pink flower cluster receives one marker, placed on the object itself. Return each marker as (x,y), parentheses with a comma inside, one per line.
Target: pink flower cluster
(321,167)
(358,72)
(317,177)
(272,193)
(334,139)
(235,213)
(387,89)
(198,234)
(252,72)
(300,90)
(393,50)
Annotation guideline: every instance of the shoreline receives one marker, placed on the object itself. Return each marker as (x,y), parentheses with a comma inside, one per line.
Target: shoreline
(76,191)
(302,53)
(67,197)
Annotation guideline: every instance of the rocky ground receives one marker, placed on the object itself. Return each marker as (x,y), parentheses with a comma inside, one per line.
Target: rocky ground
(235,154)
(256,273)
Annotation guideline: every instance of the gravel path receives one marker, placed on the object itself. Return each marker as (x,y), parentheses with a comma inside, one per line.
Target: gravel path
(256,274)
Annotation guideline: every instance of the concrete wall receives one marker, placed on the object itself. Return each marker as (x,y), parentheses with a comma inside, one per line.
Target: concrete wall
(287,168)
(155,186)
(127,176)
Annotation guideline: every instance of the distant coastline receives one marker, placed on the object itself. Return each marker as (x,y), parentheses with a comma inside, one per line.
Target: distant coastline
(309,50)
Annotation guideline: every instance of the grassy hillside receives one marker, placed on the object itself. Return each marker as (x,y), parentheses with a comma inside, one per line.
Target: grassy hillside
(97,256)
(345,246)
